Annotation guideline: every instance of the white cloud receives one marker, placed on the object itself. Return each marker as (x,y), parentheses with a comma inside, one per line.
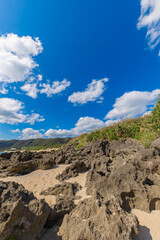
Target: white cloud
(30,89)
(133,104)
(11,112)
(30,133)
(84,124)
(40,77)
(17,57)
(55,88)
(111,122)
(92,93)
(34,117)
(3,89)
(150,18)
(16,131)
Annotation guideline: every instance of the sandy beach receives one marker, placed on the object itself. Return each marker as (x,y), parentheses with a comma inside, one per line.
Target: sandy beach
(40,180)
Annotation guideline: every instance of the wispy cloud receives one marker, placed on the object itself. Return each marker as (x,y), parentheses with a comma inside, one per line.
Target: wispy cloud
(92,93)
(32,89)
(55,88)
(3,88)
(150,18)
(16,131)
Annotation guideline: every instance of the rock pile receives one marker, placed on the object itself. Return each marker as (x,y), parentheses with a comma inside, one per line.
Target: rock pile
(122,175)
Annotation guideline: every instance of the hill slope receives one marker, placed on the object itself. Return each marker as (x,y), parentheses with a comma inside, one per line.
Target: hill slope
(30,144)
(144,129)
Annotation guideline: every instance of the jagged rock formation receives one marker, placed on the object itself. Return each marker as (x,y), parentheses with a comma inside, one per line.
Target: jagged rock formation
(130,173)
(64,191)
(12,163)
(95,219)
(122,175)
(65,194)
(21,214)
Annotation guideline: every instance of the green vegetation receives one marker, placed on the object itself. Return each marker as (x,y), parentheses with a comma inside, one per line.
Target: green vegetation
(11,238)
(33,144)
(144,129)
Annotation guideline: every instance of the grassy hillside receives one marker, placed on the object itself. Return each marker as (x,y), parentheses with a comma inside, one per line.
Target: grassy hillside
(144,129)
(33,144)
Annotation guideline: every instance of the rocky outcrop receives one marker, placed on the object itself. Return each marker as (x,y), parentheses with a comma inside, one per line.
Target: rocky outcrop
(130,174)
(21,214)
(65,194)
(59,210)
(94,219)
(64,191)
(74,169)
(122,175)
(13,163)
(156,146)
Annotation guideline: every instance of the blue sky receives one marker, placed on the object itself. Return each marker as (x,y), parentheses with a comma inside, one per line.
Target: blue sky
(67,67)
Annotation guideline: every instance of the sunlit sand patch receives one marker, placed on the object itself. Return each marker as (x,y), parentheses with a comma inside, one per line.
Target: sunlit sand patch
(41,180)
(149,225)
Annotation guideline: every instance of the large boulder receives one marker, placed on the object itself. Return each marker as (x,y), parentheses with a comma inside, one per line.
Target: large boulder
(94,219)
(21,214)
(130,179)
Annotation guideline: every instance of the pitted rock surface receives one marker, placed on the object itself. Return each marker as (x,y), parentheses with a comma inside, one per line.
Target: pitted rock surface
(21,214)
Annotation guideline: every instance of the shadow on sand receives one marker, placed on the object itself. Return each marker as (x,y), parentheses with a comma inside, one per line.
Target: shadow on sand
(144,234)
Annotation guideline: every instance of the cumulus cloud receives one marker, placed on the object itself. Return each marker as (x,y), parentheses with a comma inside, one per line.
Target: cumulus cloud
(55,88)
(84,124)
(11,112)
(150,18)
(30,133)
(30,89)
(17,57)
(92,93)
(133,104)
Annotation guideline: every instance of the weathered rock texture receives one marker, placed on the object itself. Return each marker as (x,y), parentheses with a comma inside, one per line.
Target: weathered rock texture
(21,214)
(131,174)
(12,163)
(64,191)
(94,219)
(122,175)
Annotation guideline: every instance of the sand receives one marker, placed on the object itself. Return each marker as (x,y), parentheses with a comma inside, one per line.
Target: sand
(149,225)
(40,180)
